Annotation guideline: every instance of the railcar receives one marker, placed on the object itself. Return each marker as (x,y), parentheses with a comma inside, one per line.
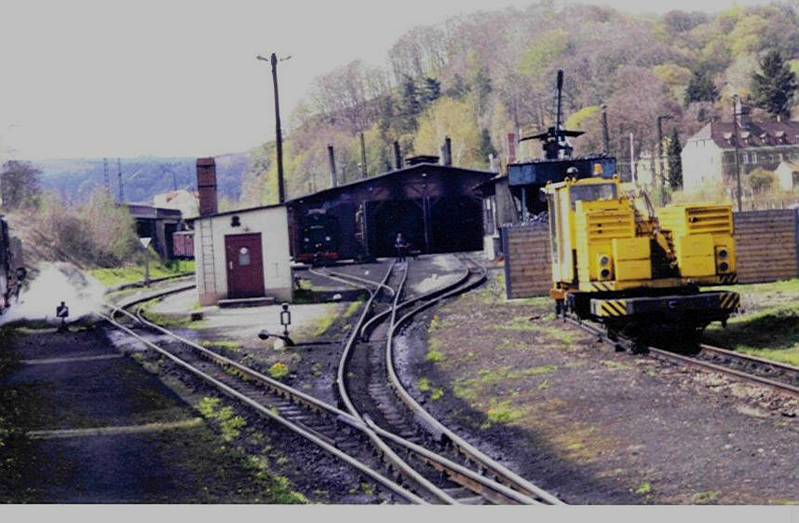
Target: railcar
(321,237)
(618,261)
(12,269)
(183,245)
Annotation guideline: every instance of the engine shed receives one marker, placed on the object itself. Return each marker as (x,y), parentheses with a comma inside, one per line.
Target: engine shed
(436,208)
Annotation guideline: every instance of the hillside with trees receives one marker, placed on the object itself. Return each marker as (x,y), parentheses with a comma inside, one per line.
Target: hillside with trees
(480,76)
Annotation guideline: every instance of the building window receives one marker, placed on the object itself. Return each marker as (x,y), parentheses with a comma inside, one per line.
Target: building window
(244,257)
(744,158)
(754,157)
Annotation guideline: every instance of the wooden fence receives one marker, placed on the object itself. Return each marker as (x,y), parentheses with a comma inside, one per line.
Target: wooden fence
(527,260)
(766,244)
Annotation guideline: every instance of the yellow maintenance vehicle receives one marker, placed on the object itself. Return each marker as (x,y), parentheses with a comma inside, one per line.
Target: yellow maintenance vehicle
(616,261)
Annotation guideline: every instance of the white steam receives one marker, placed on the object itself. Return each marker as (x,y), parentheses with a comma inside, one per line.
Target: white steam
(54,283)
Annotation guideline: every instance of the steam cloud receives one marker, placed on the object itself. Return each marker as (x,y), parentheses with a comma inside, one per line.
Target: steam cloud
(56,282)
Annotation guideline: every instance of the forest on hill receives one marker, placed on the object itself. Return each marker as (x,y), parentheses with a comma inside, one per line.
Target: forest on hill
(480,76)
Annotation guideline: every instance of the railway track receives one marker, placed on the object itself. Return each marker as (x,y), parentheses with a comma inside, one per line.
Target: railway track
(740,366)
(443,465)
(344,436)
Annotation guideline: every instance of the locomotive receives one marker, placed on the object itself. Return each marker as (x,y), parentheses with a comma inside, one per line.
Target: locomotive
(320,238)
(617,261)
(12,269)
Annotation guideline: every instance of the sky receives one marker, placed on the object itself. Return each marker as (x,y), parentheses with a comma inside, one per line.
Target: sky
(177,78)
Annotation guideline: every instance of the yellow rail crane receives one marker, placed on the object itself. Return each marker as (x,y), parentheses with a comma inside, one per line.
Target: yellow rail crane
(616,261)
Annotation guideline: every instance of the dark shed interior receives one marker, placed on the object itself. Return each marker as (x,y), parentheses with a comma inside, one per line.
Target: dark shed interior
(435,207)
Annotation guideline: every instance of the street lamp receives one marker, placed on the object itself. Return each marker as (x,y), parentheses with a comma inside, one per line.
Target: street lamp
(660,156)
(281,184)
(735,115)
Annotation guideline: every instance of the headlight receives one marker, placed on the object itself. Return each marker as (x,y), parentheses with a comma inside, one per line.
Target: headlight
(723,267)
(327,238)
(723,254)
(604,261)
(604,274)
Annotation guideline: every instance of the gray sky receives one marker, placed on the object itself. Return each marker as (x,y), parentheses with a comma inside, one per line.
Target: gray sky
(111,78)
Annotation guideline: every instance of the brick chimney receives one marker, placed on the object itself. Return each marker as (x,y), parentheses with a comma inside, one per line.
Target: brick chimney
(206,185)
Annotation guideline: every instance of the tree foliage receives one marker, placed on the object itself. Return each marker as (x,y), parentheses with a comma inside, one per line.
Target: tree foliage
(701,88)
(674,152)
(774,87)
(19,182)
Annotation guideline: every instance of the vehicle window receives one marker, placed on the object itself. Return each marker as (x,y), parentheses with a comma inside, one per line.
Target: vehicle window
(590,193)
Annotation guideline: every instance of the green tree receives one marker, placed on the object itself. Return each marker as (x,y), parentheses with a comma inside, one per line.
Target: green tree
(482,87)
(19,182)
(486,146)
(459,88)
(673,152)
(701,88)
(761,181)
(431,91)
(774,88)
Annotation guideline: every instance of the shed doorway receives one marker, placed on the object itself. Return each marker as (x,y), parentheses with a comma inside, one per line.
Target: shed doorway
(245,266)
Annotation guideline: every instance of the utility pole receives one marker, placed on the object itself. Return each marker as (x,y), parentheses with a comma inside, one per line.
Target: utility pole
(106,178)
(281,184)
(364,172)
(119,179)
(605,132)
(633,173)
(660,157)
(735,114)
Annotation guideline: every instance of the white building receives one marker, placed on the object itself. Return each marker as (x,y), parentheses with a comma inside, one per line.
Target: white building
(241,254)
(708,157)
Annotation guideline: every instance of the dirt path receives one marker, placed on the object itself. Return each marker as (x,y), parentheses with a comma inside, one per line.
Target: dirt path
(593,425)
(84,424)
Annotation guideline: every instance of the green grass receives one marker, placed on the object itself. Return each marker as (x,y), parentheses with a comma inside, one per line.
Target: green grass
(710,497)
(352,309)
(230,424)
(279,371)
(117,276)
(644,489)
(772,333)
(222,345)
(424,385)
(434,352)
(519,324)
(502,413)
(437,394)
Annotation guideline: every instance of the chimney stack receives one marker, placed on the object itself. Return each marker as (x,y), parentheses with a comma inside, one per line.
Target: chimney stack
(397,156)
(206,186)
(511,148)
(331,154)
(447,151)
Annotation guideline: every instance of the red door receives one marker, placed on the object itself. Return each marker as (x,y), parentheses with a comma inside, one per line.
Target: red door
(245,266)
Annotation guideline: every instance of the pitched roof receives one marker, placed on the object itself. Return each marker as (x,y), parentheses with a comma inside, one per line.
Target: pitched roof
(750,134)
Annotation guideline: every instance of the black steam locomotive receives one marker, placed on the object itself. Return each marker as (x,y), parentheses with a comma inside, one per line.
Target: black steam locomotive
(12,269)
(320,239)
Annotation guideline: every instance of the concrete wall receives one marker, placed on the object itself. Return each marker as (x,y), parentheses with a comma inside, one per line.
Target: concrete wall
(766,245)
(209,249)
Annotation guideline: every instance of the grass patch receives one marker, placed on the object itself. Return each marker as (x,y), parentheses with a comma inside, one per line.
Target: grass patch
(230,424)
(352,309)
(424,385)
(222,345)
(644,489)
(710,497)
(519,324)
(614,365)
(434,352)
(279,371)
(277,487)
(437,394)
(771,333)
(117,276)
(325,324)
(502,413)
